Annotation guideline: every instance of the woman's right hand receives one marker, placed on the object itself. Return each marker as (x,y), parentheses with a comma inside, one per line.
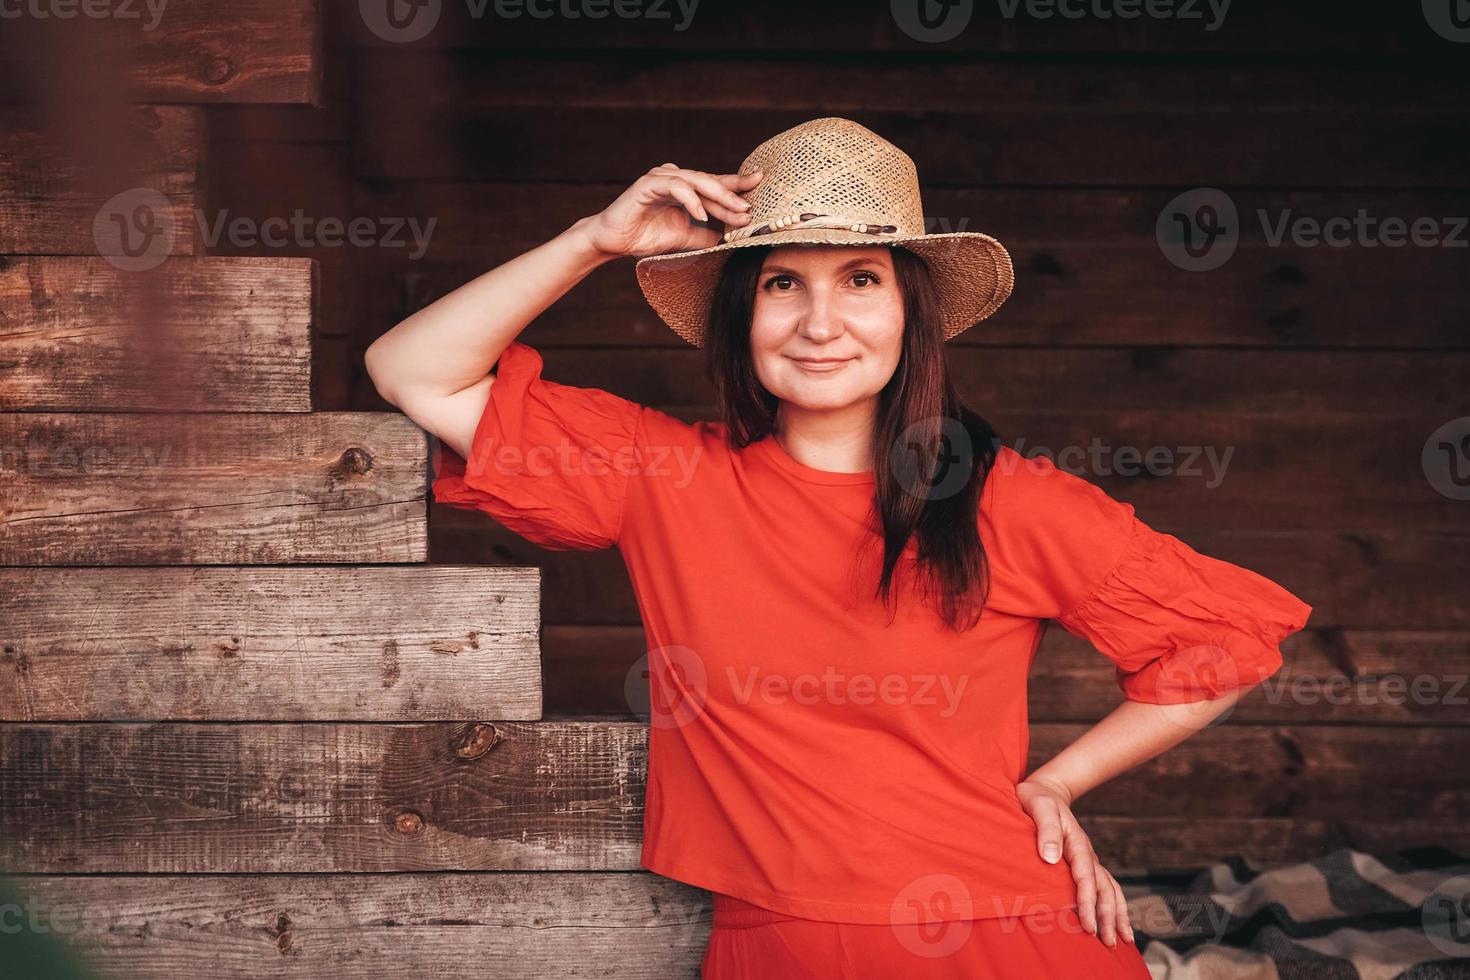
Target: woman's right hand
(657,213)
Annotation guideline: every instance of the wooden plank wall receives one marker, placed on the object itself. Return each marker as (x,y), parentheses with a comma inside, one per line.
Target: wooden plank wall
(237,740)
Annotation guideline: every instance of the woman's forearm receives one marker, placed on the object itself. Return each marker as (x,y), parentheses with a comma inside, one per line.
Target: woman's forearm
(1130,735)
(452,343)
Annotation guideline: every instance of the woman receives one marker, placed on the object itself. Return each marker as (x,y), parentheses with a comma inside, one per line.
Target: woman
(843,580)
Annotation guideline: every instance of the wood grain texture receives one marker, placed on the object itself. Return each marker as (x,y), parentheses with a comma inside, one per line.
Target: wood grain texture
(202,51)
(1071,145)
(194,334)
(124,489)
(568,795)
(276,643)
(509,926)
(52,186)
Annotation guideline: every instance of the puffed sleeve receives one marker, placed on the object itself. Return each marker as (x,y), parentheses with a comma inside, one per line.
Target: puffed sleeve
(1179,625)
(549,461)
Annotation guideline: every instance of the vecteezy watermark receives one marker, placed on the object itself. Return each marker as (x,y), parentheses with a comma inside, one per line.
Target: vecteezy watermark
(406,21)
(1097,459)
(1450,19)
(90,9)
(48,462)
(1446,459)
(1200,229)
(937,21)
(136,230)
(569,459)
(833,687)
(922,915)
(1445,916)
(668,687)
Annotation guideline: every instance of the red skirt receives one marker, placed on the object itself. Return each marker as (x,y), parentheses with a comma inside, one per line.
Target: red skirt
(748,942)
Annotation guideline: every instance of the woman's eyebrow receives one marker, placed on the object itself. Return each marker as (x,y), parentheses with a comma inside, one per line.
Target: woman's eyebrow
(849,264)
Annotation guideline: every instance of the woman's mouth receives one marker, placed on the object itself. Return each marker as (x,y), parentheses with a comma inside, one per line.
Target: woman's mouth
(822,365)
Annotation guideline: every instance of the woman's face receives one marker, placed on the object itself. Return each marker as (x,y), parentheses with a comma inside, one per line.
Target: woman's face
(827,329)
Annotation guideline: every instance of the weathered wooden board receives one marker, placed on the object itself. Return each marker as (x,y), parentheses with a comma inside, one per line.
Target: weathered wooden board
(202,51)
(509,926)
(1329,675)
(382,643)
(567,795)
(131,489)
(194,334)
(55,182)
(1303,31)
(1070,145)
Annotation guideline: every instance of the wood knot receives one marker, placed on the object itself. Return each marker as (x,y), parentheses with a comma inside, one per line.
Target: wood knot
(480,738)
(408,823)
(219,71)
(353,462)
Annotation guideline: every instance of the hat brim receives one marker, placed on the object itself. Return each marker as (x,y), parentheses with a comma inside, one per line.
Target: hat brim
(972,273)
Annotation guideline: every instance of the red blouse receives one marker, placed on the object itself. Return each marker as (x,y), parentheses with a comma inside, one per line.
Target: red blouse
(807,754)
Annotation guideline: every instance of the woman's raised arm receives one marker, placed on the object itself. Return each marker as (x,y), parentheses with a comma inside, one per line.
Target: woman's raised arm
(435,365)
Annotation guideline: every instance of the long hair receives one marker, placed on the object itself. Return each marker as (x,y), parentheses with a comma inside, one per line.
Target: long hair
(931,453)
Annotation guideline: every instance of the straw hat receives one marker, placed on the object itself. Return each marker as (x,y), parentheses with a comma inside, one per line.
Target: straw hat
(835,182)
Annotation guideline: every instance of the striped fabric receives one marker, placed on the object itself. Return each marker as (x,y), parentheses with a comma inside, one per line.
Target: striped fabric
(1344,916)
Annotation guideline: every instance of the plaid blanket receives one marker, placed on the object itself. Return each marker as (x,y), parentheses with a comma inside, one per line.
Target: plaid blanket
(1344,916)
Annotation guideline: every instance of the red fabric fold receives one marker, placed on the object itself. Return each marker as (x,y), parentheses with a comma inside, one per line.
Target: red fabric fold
(550,462)
(1182,626)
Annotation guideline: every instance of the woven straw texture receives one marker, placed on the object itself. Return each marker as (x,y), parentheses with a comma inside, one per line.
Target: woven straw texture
(844,174)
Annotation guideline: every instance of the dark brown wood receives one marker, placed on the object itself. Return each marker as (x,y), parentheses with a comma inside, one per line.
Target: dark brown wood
(55,180)
(194,334)
(1310,30)
(405,643)
(1329,675)
(203,51)
(1353,579)
(125,489)
(321,797)
(1070,145)
(174,798)
(378,927)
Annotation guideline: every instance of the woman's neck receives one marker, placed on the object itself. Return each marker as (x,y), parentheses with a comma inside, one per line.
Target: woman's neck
(839,441)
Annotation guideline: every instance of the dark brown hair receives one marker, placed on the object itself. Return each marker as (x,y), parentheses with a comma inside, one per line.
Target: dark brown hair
(931,453)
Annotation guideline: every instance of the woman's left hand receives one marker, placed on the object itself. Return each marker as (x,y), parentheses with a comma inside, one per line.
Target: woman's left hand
(1100,901)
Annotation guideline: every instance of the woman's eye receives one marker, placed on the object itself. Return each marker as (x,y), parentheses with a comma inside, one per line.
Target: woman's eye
(865,275)
(775,279)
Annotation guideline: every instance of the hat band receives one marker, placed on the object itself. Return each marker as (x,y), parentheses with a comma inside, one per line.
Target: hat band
(809,220)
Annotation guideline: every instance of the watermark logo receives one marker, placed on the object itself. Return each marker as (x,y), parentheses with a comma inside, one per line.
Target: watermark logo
(91,9)
(1190,682)
(918,915)
(1198,230)
(1450,19)
(932,21)
(668,687)
(135,229)
(1446,459)
(400,21)
(933,458)
(406,21)
(1445,916)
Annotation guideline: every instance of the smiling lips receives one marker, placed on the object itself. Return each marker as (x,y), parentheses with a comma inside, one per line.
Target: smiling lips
(822,365)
